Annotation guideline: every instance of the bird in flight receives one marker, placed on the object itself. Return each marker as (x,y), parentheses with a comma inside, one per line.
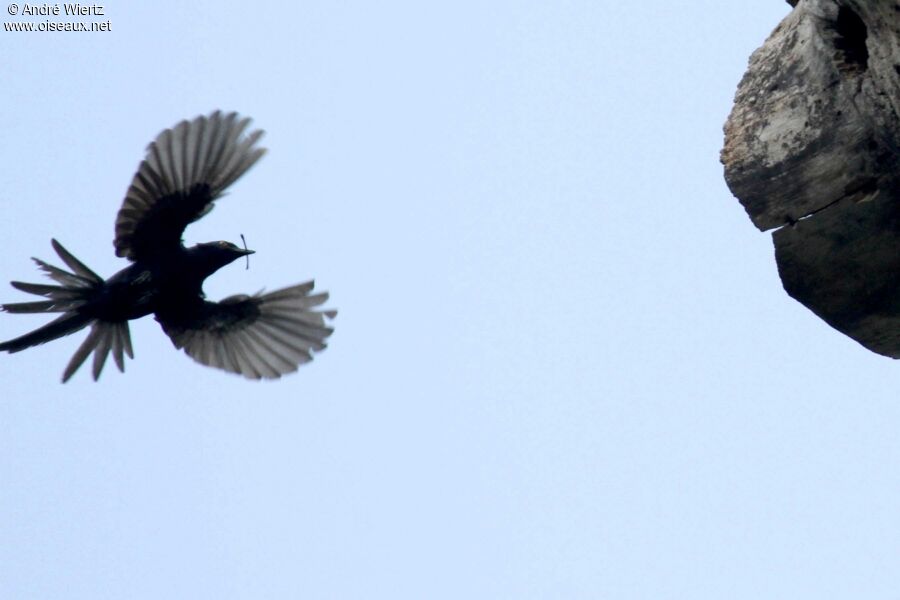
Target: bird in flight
(187,168)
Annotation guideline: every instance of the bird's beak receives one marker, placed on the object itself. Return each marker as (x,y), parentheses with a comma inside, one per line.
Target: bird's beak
(245,252)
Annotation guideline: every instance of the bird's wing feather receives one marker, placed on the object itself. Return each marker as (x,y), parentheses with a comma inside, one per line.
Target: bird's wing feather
(260,337)
(185,170)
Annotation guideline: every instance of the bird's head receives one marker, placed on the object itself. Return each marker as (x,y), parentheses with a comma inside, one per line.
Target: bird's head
(215,255)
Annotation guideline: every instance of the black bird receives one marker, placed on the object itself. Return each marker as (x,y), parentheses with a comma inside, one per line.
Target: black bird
(186,169)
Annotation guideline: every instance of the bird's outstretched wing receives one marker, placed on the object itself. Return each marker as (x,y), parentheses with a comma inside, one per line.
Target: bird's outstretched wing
(186,169)
(260,337)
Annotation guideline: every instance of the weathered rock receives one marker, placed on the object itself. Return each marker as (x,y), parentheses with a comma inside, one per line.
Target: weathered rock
(812,149)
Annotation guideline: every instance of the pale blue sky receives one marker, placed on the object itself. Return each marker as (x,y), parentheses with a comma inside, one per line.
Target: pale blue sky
(564,366)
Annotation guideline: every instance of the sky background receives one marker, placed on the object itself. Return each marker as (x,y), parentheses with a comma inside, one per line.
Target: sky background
(564,365)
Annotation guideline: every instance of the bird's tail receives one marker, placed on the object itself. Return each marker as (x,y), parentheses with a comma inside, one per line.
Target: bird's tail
(105,337)
(76,289)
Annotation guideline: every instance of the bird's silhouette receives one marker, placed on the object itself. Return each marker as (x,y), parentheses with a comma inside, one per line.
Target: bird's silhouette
(186,169)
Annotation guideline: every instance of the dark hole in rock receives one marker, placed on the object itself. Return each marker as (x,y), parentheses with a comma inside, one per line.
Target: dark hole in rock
(850,40)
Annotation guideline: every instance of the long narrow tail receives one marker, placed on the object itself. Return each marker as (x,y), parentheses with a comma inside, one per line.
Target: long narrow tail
(67,323)
(76,289)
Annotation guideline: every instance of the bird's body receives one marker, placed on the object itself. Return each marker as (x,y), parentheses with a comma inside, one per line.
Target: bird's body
(165,285)
(186,169)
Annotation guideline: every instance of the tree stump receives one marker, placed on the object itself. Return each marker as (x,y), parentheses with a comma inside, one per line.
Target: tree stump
(811,151)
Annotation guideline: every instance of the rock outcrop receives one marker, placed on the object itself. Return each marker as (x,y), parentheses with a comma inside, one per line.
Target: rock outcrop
(812,151)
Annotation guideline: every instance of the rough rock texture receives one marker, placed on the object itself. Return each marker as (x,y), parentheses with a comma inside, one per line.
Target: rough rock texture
(812,150)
